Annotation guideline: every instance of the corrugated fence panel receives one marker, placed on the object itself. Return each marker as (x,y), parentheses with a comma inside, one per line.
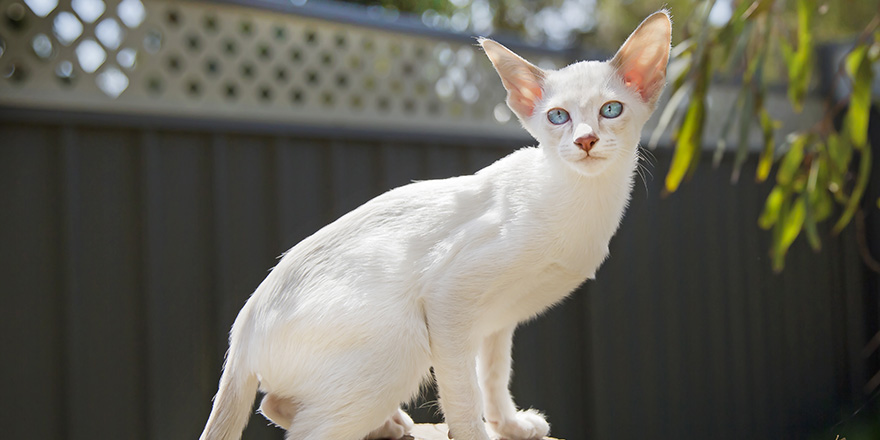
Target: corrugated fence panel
(181,349)
(356,170)
(31,307)
(302,172)
(105,323)
(127,253)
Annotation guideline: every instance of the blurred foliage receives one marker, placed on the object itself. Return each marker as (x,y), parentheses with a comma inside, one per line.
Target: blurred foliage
(603,24)
(818,167)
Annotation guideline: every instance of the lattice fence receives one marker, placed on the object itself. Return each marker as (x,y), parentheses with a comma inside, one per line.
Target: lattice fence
(217,60)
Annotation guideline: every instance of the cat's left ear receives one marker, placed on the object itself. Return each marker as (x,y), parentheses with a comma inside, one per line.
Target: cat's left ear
(522,79)
(642,59)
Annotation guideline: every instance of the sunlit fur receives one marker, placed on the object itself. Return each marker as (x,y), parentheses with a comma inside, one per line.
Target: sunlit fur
(439,273)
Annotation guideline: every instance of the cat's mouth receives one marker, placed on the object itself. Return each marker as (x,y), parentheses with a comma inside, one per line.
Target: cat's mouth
(592,158)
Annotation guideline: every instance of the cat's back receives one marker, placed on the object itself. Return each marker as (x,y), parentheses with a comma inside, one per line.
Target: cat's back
(384,233)
(427,208)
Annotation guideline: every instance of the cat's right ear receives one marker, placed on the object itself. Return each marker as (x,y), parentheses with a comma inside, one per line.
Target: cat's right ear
(642,59)
(522,79)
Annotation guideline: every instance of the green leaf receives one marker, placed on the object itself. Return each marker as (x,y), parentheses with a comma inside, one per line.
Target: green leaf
(801,63)
(856,120)
(687,147)
(791,162)
(840,152)
(668,113)
(774,203)
(823,206)
(765,162)
(690,134)
(810,209)
(793,222)
(852,205)
(820,198)
(790,225)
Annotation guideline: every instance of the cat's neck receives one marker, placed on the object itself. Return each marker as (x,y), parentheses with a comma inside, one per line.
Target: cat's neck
(609,190)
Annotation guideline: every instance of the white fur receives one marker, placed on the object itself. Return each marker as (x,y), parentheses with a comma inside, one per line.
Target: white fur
(437,273)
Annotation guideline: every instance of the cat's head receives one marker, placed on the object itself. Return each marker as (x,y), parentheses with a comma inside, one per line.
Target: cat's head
(590,113)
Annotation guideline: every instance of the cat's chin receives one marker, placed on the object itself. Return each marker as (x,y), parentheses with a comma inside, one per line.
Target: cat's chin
(589,166)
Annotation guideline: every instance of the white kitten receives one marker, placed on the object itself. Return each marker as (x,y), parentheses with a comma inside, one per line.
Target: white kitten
(439,273)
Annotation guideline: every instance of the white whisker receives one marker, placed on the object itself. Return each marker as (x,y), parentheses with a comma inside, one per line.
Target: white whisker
(644,159)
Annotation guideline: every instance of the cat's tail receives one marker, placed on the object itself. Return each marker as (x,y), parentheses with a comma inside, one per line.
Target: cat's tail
(232,404)
(235,396)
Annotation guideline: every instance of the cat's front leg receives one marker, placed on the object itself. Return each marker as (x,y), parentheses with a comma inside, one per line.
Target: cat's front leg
(494,366)
(454,359)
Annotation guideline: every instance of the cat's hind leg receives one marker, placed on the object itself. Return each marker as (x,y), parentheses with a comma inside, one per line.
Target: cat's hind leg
(279,410)
(331,421)
(398,425)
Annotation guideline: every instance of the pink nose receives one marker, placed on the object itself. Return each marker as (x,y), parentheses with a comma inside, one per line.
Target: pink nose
(587,142)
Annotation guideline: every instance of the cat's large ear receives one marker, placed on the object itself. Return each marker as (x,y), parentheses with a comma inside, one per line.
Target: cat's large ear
(641,61)
(522,79)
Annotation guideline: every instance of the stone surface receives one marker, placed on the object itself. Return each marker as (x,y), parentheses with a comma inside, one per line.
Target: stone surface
(438,432)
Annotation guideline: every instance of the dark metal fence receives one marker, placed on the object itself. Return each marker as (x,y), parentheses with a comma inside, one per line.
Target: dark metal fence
(128,250)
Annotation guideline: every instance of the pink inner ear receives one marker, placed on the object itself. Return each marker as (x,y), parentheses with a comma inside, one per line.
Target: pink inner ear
(644,76)
(529,101)
(632,77)
(524,94)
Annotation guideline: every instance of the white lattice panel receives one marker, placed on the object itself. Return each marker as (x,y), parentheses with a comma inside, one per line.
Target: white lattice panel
(221,61)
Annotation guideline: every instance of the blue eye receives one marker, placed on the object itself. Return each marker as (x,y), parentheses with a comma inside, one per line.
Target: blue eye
(557,116)
(611,109)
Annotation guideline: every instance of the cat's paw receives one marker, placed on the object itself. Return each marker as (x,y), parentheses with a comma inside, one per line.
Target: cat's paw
(525,425)
(395,427)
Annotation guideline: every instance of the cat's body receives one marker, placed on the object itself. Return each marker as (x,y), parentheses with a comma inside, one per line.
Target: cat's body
(348,324)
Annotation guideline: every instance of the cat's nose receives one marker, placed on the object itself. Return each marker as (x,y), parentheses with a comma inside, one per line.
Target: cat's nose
(587,142)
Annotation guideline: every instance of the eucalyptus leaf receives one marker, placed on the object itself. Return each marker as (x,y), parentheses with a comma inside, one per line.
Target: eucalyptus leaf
(823,205)
(765,162)
(669,112)
(690,135)
(791,223)
(840,152)
(792,160)
(770,214)
(852,205)
(857,116)
(800,60)
(810,209)
(687,146)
